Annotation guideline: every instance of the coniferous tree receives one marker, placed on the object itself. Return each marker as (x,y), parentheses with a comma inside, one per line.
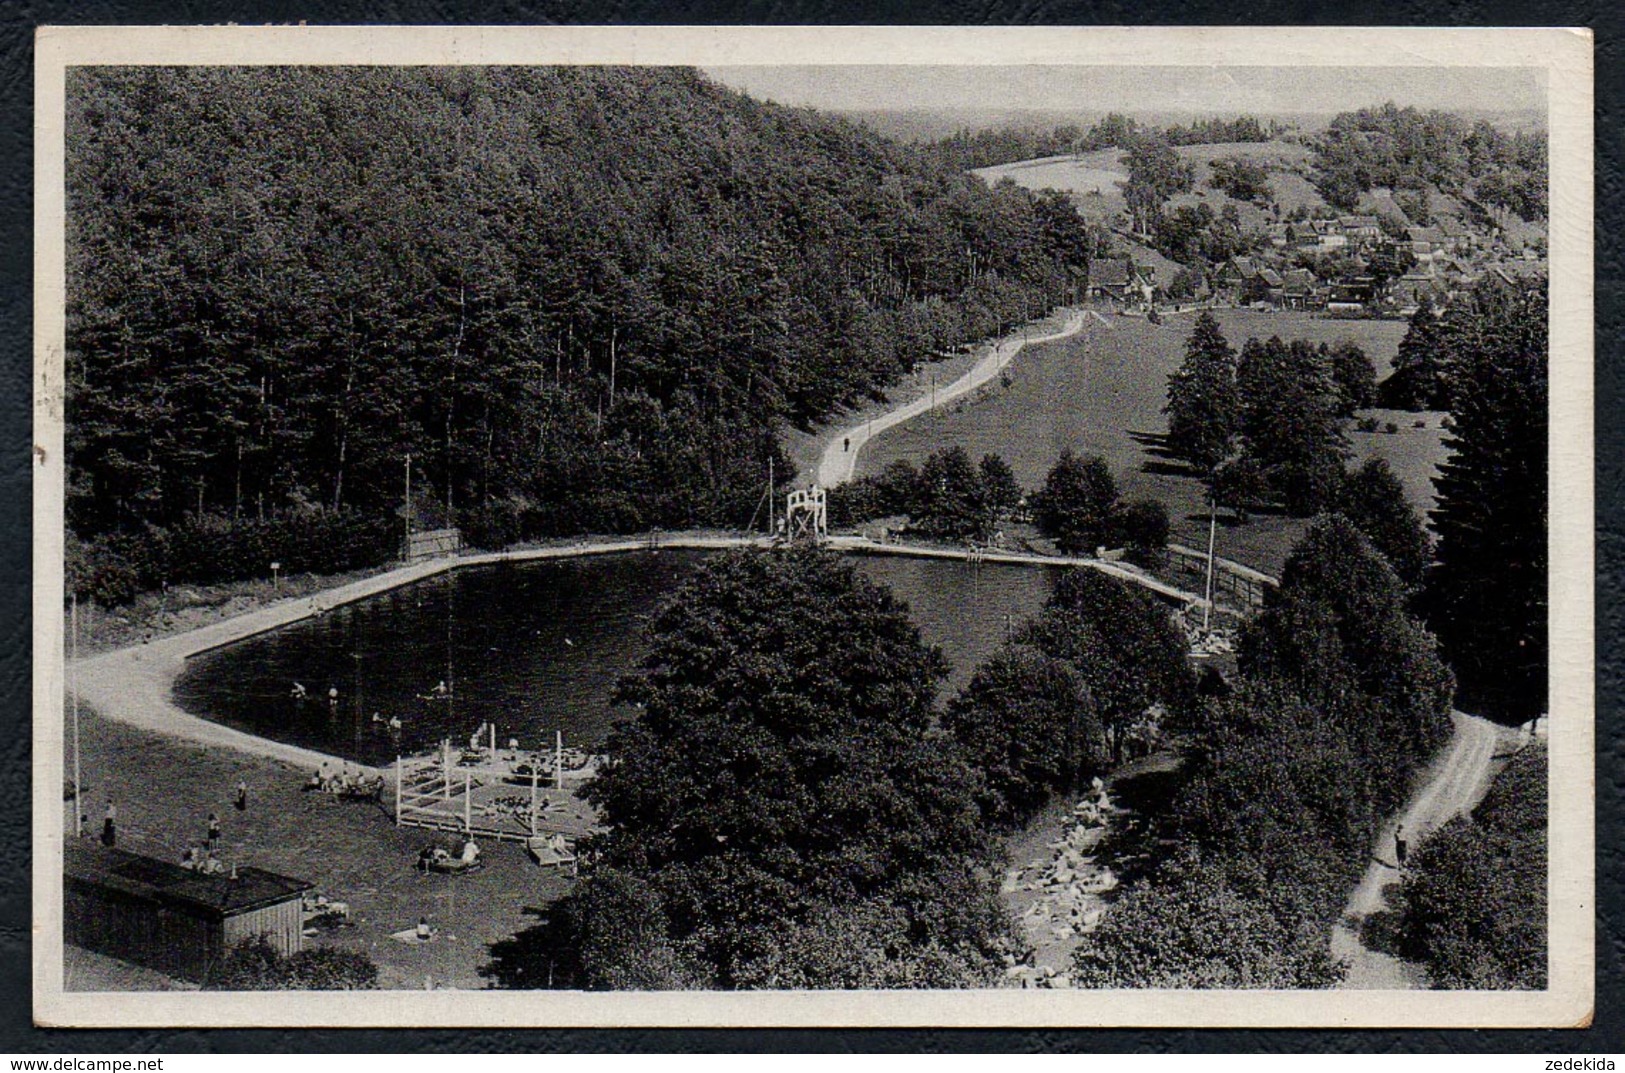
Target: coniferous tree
(1374,500)
(1487,593)
(1421,376)
(1203,402)
(1289,406)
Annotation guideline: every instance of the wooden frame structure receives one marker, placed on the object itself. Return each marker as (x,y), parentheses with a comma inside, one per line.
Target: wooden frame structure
(490,793)
(806,514)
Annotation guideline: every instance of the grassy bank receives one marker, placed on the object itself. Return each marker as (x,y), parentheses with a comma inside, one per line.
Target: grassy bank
(353,852)
(1102,392)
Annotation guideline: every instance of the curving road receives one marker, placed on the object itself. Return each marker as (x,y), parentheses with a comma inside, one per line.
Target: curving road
(1454,784)
(841,453)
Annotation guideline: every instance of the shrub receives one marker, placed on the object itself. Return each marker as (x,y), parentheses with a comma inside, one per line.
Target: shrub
(255,965)
(209,550)
(1142,526)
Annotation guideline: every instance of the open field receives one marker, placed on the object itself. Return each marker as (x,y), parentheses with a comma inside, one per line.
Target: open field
(351,850)
(1102,392)
(1096,173)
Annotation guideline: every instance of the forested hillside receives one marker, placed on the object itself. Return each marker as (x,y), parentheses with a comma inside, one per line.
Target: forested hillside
(1407,149)
(581,298)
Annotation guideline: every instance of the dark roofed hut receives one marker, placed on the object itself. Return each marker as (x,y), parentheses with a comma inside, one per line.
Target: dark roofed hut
(170,918)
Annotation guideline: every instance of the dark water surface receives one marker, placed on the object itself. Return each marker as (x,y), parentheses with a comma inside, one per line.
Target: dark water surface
(535,647)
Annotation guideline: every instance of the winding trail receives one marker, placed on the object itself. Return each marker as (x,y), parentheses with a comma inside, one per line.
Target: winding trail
(841,453)
(1455,782)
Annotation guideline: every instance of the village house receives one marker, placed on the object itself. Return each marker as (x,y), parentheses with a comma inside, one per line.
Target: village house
(1328,236)
(1359,229)
(1120,279)
(1301,290)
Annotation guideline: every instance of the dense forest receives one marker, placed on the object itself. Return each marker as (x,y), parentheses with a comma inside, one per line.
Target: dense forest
(966,149)
(1408,149)
(579,298)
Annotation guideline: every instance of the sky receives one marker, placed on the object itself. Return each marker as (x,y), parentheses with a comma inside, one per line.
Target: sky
(1281,90)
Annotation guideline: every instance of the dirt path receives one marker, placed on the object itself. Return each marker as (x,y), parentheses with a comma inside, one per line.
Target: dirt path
(841,452)
(1454,784)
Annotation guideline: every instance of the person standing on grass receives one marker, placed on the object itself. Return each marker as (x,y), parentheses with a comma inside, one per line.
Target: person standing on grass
(242,795)
(110,825)
(1400,845)
(214,831)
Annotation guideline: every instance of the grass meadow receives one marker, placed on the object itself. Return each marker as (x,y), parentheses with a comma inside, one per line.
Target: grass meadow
(1102,392)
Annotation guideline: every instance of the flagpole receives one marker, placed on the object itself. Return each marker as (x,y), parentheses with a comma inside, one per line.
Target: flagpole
(1212,532)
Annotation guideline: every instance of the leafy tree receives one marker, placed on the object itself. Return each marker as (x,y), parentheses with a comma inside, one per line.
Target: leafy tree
(1075,506)
(1338,634)
(1193,929)
(999,480)
(1142,525)
(1374,500)
(1354,375)
(1387,262)
(1155,174)
(867,945)
(783,765)
(1122,642)
(1028,723)
(1473,904)
(952,499)
(1242,178)
(1487,594)
(894,490)
(1204,406)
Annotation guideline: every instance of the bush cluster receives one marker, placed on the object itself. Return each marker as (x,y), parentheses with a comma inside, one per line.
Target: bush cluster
(209,550)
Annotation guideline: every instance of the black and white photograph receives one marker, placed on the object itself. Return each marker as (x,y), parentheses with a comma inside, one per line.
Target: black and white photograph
(793,527)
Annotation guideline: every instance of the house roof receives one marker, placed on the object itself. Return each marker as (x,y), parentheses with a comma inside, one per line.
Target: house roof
(1298,279)
(169,884)
(1357,221)
(1427,234)
(1270,276)
(1109,272)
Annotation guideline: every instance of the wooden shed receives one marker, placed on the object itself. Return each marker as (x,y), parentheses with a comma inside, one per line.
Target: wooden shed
(170,918)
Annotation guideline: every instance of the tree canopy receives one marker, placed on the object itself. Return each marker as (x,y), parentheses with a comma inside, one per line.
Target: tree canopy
(783,777)
(581,298)
(1486,596)
(1204,406)
(1076,505)
(1290,418)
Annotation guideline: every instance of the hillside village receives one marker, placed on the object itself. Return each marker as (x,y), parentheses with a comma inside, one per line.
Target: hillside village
(1252,230)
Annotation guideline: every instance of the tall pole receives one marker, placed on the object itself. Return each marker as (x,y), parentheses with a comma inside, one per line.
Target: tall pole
(770,496)
(1212,533)
(408,550)
(78,786)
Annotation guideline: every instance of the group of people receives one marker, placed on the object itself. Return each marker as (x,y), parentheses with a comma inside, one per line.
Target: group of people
(201,859)
(343,781)
(432,856)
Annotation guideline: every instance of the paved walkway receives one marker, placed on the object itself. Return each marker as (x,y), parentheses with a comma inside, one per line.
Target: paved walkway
(841,453)
(134,685)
